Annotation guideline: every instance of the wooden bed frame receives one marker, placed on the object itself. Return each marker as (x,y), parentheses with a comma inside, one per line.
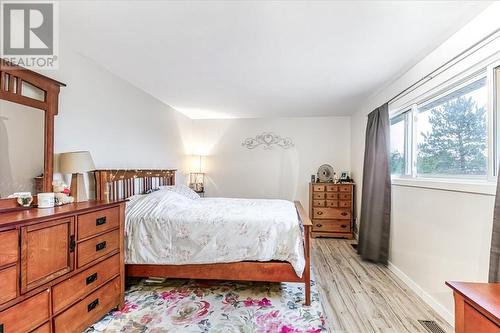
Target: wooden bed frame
(119,184)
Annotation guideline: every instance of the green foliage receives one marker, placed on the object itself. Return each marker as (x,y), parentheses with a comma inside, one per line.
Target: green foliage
(457,142)
(397,163)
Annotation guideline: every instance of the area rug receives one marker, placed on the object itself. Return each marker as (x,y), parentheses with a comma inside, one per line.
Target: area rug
(216,306)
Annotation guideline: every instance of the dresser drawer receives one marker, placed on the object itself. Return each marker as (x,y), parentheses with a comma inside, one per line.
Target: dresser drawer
(97,247)
(8,284)
(331,213)
(318,188)
(344,204)
(45,328)
(25,316)
(345,196)
(332,203)
(81,284)
(90,309)
(319,203)
(332,196)
(97,222)
(332,188)
(345,188)
(332,225)
(9,247)
(319,195)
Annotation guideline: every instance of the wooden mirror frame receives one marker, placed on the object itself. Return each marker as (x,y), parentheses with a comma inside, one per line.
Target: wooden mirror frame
(11,89)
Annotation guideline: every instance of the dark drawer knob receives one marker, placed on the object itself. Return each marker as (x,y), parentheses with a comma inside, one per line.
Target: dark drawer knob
(100,246)
(343,214)
(92,305)
(100,221)
(343,226)
(320,213)
(91,278)
(319,225)
(72,245)
(1,328)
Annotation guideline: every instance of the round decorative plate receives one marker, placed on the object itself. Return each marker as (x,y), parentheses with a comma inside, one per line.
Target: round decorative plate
(325,173)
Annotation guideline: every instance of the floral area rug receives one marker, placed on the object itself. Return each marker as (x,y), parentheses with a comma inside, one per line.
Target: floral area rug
(216,306)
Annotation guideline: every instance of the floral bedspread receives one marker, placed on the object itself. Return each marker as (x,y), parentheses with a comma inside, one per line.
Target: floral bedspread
(165,227)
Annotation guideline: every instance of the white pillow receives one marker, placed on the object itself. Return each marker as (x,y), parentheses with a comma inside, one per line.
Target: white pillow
(182,190)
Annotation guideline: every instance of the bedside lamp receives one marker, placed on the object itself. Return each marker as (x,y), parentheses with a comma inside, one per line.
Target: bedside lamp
(76,163)
(196,175)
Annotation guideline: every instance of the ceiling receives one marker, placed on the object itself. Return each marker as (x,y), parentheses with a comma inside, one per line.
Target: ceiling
(222,59)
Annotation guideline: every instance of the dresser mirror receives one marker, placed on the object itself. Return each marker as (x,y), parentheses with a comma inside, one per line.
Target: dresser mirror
(22,140)
(28,104)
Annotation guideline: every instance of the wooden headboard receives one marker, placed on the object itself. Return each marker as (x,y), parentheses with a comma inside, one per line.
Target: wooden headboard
(120,184)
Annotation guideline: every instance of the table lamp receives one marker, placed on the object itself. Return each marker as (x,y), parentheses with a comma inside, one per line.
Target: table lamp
(76,163)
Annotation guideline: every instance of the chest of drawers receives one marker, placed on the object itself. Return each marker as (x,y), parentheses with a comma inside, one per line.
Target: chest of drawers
(331,209)
(64,266)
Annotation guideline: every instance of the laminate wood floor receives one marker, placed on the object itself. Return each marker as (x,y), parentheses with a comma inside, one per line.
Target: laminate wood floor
(361,297)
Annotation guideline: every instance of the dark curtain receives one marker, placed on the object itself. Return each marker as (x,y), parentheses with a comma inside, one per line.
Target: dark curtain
(495,240)
(374,231)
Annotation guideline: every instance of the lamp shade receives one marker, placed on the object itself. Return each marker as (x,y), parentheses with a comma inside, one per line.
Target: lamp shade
(76,162)
(196,164)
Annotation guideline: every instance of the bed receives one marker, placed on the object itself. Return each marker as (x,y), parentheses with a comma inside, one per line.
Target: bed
(170,234)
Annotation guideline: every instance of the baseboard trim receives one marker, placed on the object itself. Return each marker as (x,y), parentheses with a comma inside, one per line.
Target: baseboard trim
(440,309)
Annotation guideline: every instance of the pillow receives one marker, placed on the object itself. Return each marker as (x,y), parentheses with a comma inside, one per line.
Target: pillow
(182,190)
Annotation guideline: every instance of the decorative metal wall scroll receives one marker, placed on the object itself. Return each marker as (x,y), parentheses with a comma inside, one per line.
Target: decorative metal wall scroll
(267,140)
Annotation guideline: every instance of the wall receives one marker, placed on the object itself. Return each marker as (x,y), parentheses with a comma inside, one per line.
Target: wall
(436,235)
(235,171)
(122,126)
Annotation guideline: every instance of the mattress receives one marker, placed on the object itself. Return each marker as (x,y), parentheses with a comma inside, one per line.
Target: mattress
(168,228)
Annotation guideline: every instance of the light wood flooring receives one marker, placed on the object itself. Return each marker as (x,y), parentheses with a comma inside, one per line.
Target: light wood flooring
(361,297)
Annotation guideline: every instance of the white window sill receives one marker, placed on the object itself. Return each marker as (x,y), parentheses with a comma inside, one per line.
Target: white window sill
(455,185)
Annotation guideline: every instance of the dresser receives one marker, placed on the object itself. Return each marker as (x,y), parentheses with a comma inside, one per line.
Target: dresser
(477,307)
(331,209)
(61,269)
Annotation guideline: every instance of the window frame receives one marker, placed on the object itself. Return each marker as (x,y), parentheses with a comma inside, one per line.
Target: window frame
(463,183)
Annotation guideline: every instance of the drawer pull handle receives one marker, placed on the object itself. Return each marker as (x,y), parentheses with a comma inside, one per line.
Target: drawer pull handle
(343,226)
(100,246)
(320,213)
(343,214)
(92,305)
(72,245)
(319,225)
(91,278)
(100,221)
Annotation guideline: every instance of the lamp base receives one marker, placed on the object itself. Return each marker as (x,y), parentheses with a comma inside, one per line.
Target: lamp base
(78,188)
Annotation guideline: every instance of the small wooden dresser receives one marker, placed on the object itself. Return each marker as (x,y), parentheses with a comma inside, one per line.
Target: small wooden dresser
(331,209)
(61,269)
(477,307)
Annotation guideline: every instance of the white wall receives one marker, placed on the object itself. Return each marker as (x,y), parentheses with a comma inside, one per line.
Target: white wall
(122,126)
(436,235)
(235,171)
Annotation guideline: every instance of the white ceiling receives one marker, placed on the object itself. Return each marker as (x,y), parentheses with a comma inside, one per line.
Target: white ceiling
(220,59)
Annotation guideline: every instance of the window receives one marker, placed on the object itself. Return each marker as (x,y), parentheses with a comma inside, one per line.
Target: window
(398,139)
(451,133)
(445,135)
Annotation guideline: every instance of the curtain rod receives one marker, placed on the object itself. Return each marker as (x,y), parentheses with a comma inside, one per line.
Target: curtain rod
(432,74)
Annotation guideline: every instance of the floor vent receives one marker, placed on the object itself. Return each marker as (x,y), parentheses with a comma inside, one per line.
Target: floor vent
(431,326)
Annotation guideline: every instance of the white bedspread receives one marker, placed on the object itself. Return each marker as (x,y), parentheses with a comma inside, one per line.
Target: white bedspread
(167,228)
